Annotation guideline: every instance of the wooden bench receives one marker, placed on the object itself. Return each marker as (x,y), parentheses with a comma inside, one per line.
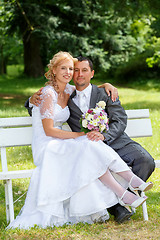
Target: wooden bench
(17,131)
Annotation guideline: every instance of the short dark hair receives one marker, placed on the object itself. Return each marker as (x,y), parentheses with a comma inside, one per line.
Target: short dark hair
(81,59)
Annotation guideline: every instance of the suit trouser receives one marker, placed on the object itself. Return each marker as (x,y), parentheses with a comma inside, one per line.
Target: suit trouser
(138,159)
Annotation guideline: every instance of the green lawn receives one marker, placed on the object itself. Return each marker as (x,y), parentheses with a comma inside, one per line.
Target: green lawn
(14,90)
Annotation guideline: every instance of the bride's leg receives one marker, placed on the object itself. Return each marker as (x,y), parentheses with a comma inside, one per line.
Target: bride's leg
(135,183)
(108,180)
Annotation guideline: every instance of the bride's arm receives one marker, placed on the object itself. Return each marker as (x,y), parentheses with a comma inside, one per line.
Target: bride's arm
(58,133)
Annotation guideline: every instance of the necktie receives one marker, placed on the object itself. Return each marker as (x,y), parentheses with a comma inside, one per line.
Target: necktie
(82,102)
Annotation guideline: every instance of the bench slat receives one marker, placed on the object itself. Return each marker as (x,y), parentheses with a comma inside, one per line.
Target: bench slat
(26,121)
(139,128)
(11,137)
(15,121)
(138,113)
(16,174)
(157,163)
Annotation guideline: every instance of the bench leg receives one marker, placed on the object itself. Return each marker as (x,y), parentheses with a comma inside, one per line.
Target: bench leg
(144,207)
(9,201)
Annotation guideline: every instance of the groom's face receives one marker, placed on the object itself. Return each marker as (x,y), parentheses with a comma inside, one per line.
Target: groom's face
(82,75)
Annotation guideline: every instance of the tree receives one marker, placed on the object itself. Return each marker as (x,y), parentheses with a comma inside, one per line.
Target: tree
(3,57)
(22,21)
(101,29)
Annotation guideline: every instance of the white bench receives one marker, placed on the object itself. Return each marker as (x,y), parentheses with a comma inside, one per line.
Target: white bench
(17,131)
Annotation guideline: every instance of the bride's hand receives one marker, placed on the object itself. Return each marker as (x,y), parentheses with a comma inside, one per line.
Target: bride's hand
(95,136)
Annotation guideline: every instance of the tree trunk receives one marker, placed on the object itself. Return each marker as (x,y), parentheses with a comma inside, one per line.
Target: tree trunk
(33,66)
(3,68)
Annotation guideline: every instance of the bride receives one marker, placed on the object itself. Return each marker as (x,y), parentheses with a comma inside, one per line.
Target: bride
(72,181)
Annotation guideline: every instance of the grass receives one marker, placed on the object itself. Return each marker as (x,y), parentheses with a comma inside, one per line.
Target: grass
(14,90)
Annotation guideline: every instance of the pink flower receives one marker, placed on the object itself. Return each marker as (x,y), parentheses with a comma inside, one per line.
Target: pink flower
(95,116)
(90,111)
(90,127)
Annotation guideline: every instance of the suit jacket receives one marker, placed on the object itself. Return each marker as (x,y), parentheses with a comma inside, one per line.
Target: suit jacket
(115,137)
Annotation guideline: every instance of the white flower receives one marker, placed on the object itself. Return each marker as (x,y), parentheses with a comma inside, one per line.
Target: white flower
(101,104)
(96,110)
(84,123)
(95,123)
(89,117)
(102,127)
(105,119)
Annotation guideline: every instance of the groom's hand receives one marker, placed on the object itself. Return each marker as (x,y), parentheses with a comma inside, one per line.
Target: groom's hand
(36,98)
(95,136)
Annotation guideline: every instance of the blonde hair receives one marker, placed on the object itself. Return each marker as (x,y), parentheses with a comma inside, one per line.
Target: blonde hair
(54,62)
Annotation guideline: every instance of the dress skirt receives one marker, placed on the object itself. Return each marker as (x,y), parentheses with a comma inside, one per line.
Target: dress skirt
(65,186)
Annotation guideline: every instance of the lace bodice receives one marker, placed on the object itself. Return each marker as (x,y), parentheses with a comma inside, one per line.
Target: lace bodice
(49,107)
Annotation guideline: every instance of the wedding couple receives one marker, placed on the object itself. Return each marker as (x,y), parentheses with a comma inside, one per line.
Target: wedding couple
(73,180)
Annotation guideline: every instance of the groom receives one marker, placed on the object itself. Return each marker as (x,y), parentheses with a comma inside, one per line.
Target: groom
(131,152)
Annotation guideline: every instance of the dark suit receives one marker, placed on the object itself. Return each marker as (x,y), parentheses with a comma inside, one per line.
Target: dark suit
(131,152)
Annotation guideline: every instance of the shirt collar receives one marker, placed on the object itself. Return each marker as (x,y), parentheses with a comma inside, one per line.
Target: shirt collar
(86,91)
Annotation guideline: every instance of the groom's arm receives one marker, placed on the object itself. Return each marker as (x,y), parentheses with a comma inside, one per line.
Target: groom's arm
(35,99)
(117,121)
(28,107)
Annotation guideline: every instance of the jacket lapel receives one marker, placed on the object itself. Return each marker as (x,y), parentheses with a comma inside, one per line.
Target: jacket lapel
(93,100)
(94,96)
(73,106)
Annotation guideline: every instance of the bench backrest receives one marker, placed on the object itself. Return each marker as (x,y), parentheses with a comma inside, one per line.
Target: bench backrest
(17,131)
(138,124)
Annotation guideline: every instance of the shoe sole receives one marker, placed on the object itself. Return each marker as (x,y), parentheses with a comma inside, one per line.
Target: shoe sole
(125,218)
(148,187)
(142,202)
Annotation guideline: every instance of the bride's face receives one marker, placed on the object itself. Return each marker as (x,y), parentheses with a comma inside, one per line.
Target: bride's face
(64,71)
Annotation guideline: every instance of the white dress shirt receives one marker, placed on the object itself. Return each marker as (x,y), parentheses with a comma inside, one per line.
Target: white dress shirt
(87,96)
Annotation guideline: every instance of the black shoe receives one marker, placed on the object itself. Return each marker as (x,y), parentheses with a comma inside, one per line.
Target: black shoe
(121,214)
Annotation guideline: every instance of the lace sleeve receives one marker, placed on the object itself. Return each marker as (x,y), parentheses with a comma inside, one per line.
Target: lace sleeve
(69,88)
(48,103)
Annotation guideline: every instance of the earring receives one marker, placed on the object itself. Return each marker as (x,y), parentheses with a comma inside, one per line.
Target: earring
(53,76)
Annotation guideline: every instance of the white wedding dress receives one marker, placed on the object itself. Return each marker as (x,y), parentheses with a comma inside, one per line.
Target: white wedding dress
(64,187)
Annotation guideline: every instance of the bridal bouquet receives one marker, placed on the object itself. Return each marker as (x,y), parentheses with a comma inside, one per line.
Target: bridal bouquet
(95,119)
